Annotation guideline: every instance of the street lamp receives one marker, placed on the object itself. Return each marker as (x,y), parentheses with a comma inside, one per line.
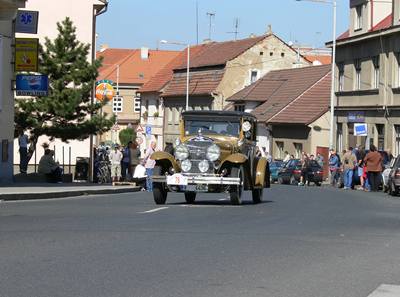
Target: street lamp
(332,104)
(187,66)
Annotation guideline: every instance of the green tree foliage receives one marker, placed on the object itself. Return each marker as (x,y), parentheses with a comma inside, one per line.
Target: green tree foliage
(67,112)
(127,135)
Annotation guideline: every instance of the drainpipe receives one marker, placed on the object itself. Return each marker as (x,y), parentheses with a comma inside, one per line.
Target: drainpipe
(95,15)
(372,14)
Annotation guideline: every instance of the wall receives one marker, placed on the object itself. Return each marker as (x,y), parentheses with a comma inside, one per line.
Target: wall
(289,135)
(320,133)
(237,72)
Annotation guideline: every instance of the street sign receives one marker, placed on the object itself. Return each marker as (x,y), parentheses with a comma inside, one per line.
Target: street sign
(26,21)
(26,54)
(148,130)
(115,127)
(139,129)
(139,140)
(104,90)
(32,85)
(360,129)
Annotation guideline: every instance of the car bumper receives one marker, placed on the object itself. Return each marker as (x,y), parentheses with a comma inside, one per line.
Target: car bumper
(198,179)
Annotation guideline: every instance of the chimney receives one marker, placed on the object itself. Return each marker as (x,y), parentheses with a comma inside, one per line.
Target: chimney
(103,47)
(252,35)
(207,41)
(144,53)
(269,30)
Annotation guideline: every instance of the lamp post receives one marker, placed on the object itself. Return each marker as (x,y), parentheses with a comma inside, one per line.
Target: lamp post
(187,66)
(332,103)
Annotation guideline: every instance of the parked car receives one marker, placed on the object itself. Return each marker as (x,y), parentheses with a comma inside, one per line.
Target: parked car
(215,152)
(393,184)
(274,168)
(385,174)
(291,173)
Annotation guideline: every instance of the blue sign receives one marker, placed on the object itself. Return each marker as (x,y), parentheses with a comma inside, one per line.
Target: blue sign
(360,129)
(356,117)
(27,22)
(32,85)
(148,130)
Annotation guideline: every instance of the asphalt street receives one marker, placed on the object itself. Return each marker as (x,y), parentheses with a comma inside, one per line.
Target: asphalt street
(301,242)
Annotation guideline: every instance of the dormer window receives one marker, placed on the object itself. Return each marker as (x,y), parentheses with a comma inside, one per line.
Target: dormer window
(358,20)
(253,76)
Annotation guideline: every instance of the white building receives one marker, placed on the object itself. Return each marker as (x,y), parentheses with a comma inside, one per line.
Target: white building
(83,14)
(8,10)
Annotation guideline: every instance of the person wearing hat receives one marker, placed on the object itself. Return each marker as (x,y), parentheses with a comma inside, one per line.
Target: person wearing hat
(115,159)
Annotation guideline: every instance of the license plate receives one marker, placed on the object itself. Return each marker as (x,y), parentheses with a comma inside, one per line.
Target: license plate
(197,188)
(177,180)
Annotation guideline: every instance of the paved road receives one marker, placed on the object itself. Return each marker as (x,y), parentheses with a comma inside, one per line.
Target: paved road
(307,242)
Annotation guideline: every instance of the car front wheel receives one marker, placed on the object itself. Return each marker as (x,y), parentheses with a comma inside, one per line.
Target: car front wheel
(235,192)
(190,197)
(159,191)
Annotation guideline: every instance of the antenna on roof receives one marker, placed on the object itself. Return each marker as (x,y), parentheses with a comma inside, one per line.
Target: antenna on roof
(211,15)
(236,28)
(197,22)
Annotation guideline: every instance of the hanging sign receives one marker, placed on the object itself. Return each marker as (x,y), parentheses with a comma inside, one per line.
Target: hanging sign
(32,85)
(27,21)
(26,54)
(104,90)
(360,129)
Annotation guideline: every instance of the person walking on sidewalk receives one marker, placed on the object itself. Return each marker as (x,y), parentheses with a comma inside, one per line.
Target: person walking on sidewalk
(349,163)
(115,159)
(334,165)
(125,163)
(149,165)
(373,162)
(23,151)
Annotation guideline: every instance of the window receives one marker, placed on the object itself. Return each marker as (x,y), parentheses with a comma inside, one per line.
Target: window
(375,61)
(398,70)
(341,77)
(136,103)
(253,76)
(380,128)
(298,148)
(358,20)
(282,55)
(118,104)
(279,146)
(339,141)
(397,139)
(239,107)
(357,80)
(261,53)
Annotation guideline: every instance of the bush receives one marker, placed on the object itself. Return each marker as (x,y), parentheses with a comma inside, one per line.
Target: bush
(127,135)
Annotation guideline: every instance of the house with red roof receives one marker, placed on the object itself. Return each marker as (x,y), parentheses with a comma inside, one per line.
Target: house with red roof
(292,109)
(129,70)
(217,71)
(367,77)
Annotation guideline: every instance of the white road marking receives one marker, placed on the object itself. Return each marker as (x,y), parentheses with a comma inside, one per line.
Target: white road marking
(208,206)
(223,199)
(386,291)
(154,210)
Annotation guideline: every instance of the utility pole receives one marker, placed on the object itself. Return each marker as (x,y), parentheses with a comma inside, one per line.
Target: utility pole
(211,15)
(236,31)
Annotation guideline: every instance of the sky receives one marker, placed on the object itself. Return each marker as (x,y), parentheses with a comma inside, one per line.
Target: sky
(138,23)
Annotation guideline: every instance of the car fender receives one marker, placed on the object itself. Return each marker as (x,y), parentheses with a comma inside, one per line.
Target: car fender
(261,173)
(234,159)
(165,160)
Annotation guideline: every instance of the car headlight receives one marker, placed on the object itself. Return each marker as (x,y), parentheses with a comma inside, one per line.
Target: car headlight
(213,152)
(181,152)
(203,166)
(186,165)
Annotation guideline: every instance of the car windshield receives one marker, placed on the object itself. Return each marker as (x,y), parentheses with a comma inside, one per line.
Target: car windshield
(218,127)
(276,164)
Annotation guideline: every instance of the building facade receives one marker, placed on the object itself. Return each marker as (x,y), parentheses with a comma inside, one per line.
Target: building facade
(84,15)
(8,11)
(367,82)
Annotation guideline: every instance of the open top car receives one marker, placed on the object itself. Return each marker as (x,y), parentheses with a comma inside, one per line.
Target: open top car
(215,152)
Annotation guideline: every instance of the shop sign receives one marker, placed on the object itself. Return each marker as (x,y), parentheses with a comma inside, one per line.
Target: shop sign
(26,22)
(356,117)
(105,90)
(360,129)
(32,85)
(26,54)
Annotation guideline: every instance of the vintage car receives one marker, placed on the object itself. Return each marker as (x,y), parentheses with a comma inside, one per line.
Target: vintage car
(215,152)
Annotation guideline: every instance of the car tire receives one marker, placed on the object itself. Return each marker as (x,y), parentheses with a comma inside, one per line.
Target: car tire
(235,192)
(393,191)
(318,184)
(257,195)
(190,197)
(159,191)
(293,181)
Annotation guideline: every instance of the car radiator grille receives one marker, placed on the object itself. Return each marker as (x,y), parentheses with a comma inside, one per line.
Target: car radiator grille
(197,153)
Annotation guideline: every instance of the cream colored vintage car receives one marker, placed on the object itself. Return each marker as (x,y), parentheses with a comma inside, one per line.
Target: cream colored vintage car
(216,152)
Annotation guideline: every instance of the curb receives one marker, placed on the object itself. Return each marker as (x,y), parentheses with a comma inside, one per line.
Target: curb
(66,194)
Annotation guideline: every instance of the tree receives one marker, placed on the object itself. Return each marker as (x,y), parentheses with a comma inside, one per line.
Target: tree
(67,112)
(127,135)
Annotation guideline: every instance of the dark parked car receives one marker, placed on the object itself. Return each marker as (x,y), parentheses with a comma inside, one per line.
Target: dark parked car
(291,173)
(394,178)
(274,168)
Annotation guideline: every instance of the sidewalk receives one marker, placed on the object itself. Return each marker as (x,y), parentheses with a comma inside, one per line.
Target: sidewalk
(31,191)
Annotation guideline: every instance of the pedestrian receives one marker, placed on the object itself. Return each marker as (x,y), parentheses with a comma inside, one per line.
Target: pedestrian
(373,161)
(349,163)
(169,148)
(126,161)
(287,156)
(149,164)
(360,166)
(304,169)
(135,155)
(334,165)
(320,159)
(115,159)
(49,167)
(23,151)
